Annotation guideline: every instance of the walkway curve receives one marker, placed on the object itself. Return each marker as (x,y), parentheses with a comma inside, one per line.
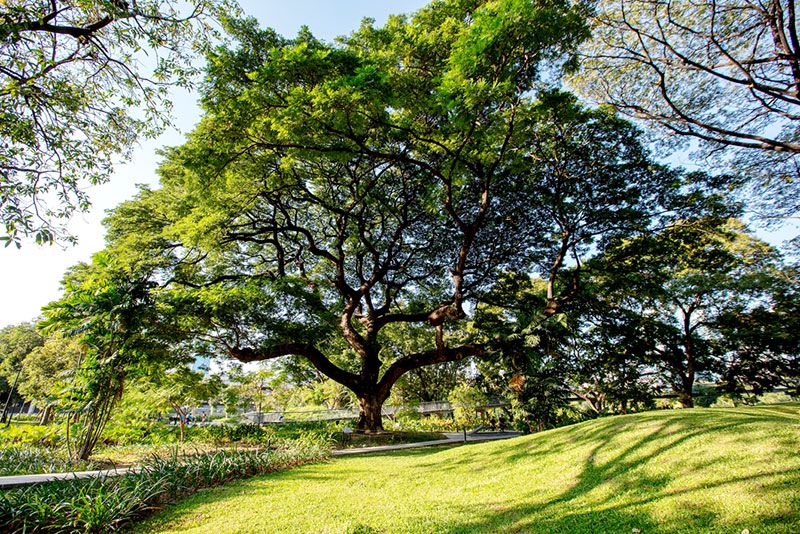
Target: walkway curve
(453,438)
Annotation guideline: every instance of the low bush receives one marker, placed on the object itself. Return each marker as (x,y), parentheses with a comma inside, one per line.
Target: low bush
(252,434)
(106,504)
(424,424)
(32,435)
(243,433)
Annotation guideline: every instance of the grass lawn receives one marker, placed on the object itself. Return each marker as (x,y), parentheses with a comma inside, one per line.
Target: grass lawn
(701,470)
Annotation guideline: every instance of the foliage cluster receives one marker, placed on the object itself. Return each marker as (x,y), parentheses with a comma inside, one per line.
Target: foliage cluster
(72,74)
(424,424)
(720,76)
(50,436)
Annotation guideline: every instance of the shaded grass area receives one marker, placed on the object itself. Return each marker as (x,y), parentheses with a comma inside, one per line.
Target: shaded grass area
(704,470)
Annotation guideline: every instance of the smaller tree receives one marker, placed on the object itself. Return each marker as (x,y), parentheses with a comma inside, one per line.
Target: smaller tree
(46,369)
(425,384)
(330,394)
(256,390)
(111,312)
(230,397)
(761,342)
(16,342)
(611,372)
(184,389)
(674,284)
(465,399)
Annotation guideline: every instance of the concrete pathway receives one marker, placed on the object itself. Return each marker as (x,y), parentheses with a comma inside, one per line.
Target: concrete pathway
(453,438)
(25,480)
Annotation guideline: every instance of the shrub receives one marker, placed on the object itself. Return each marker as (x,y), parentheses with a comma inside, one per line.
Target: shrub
(252,434)
(32,435)
(424,424)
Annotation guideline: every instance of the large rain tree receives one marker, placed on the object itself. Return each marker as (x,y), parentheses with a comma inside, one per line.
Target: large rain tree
(334,194)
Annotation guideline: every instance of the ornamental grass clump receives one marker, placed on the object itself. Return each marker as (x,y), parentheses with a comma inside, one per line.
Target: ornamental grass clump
(107,503)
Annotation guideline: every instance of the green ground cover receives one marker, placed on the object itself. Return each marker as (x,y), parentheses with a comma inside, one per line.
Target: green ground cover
(704,470)
(26,449)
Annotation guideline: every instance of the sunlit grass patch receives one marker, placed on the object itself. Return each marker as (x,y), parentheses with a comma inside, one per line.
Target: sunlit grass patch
(703,470)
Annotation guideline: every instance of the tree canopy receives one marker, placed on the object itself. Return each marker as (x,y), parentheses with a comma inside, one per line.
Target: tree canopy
(335,192)
(726,74)
(671,288)
(80,83)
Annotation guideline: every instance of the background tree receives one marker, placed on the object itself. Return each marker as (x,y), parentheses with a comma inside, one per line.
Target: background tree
(327,393)
(230,398)
(590,180)
(184,389)
(255,390)
(611,369)
(761,340)
(726,74)
(431,384)
(675,283)
(46,370)
(465,399)
(16,342)
(80,83)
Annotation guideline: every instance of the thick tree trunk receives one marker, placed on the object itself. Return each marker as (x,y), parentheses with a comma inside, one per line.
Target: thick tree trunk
(686,399)
(684,389)
(369,417)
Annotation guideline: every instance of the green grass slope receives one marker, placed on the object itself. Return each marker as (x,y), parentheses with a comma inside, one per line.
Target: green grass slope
(701,470)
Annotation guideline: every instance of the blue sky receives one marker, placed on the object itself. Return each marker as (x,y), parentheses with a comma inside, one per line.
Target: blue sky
(30,277)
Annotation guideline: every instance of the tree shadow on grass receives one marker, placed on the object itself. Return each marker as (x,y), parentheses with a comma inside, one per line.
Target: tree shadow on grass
(621,510)
(610,491)
(563,514)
